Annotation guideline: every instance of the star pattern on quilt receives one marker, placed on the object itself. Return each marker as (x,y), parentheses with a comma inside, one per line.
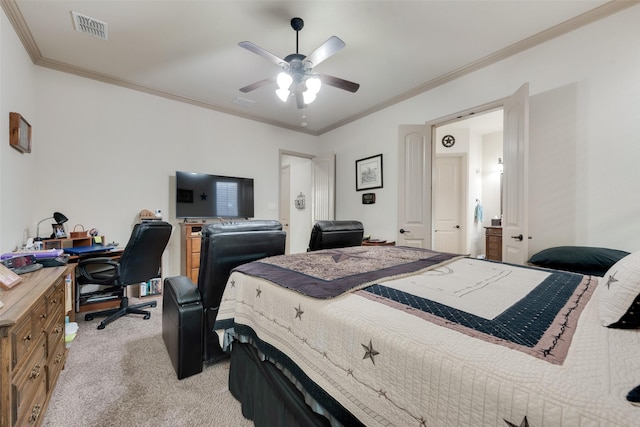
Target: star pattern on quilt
(611,280)
(339,256)
(382,393)
(203,197)
(299,312)
(258,292)
(524,423)
(369,352)
(233,283)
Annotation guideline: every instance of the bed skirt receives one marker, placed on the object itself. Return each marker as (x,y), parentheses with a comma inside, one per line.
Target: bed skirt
(267,396)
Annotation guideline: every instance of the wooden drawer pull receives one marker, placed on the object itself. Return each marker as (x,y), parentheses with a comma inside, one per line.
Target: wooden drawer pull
(27,338)
(35,372)
(58,358)
(57,329)
(43,316)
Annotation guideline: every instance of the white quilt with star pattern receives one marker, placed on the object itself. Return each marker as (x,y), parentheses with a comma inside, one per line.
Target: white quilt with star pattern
(391,368)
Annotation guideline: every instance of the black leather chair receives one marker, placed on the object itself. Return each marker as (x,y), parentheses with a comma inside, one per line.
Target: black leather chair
(335,234)
(224,245)
(140,261)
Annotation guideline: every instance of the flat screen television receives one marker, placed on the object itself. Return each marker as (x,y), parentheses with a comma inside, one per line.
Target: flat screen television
(200,195)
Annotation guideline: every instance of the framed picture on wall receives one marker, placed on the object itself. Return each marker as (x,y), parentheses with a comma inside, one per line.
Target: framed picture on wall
(369,173)
(19,133)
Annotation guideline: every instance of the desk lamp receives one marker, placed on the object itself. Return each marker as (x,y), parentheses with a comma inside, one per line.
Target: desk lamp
(57,217)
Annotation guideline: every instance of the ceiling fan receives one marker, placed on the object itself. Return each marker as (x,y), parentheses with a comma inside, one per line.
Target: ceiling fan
(297,77)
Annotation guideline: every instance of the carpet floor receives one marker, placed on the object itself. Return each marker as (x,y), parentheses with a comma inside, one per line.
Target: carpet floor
(122,376)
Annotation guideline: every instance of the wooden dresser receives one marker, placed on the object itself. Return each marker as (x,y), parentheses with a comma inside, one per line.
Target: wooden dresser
(191,236)
(493,237)
(32,350)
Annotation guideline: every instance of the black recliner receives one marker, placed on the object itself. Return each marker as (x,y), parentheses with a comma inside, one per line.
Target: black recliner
(224,245)
(140,261)
(335,234)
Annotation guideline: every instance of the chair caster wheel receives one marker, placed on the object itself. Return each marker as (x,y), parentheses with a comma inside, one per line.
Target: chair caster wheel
(147,317)
(153,304)
(101,326)
(88,317)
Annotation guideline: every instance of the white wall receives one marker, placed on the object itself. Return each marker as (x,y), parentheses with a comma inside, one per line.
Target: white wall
(584,138)
(18,172)
(102,153)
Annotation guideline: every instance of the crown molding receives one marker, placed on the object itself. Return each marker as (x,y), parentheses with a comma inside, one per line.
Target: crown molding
(14,15)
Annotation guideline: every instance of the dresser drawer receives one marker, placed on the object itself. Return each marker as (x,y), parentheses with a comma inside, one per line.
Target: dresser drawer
(23,337)
(55,333)
(57,357)
(32,412)
(54,299)
(27,380)
(195,260)
(195,244)
(494,232)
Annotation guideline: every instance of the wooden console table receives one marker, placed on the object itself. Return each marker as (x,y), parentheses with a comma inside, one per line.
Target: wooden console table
(32,350)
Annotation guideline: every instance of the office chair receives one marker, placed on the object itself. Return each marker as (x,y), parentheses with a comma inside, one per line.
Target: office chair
(139,262)
(335,234)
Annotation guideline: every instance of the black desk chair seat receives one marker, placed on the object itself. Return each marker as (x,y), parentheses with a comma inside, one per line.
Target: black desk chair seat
(140,261)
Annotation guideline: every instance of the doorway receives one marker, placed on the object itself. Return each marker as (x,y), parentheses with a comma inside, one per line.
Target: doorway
(307,194)
(417,148)
(467,181)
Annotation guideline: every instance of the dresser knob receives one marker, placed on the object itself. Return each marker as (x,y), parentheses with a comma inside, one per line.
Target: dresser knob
(35,372)
(27,338)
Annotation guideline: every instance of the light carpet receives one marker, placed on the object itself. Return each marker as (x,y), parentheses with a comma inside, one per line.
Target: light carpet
(122,376)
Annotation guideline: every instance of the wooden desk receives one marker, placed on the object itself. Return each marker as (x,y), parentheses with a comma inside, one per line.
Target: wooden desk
(95,306)
(32,350)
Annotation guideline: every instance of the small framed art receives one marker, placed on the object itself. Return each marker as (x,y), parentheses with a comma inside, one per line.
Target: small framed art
(58,231)
(369,173)
(19,133)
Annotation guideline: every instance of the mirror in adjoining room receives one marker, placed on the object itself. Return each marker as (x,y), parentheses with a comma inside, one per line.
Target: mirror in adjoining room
(467,182)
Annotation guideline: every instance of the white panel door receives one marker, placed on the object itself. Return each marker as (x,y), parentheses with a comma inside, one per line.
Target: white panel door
(448,193)
(323,184)
(515,230)
(414,186)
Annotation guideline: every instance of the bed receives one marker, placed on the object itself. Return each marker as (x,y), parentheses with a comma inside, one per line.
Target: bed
(383,336)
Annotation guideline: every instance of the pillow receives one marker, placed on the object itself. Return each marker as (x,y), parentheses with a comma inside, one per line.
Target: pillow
(619,291)
(578,259)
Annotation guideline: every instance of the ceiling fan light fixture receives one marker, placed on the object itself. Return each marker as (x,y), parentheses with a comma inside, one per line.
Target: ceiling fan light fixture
(284,80)
(308,97)
(313,85)
(283,94)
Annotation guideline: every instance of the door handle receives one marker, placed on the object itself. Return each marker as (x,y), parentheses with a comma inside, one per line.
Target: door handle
(402,231)
(457,226)
(519,237)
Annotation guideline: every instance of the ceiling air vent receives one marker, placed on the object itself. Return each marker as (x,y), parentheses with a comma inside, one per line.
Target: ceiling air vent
(90,26)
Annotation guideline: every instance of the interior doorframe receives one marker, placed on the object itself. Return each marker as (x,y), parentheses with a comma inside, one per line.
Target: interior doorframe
(281,154)
(449,119)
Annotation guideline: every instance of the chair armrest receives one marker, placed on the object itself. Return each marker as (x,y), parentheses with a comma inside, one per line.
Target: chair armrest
(107,275)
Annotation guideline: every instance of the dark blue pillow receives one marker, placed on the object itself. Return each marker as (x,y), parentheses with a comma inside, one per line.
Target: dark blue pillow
(578,259)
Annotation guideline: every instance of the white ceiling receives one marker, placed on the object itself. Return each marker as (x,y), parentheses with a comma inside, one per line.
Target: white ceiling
(188,50)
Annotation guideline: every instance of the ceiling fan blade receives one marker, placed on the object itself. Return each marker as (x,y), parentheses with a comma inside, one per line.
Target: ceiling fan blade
(256,85)
(264,53)
(299,97)
(325,50)
(339,83)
